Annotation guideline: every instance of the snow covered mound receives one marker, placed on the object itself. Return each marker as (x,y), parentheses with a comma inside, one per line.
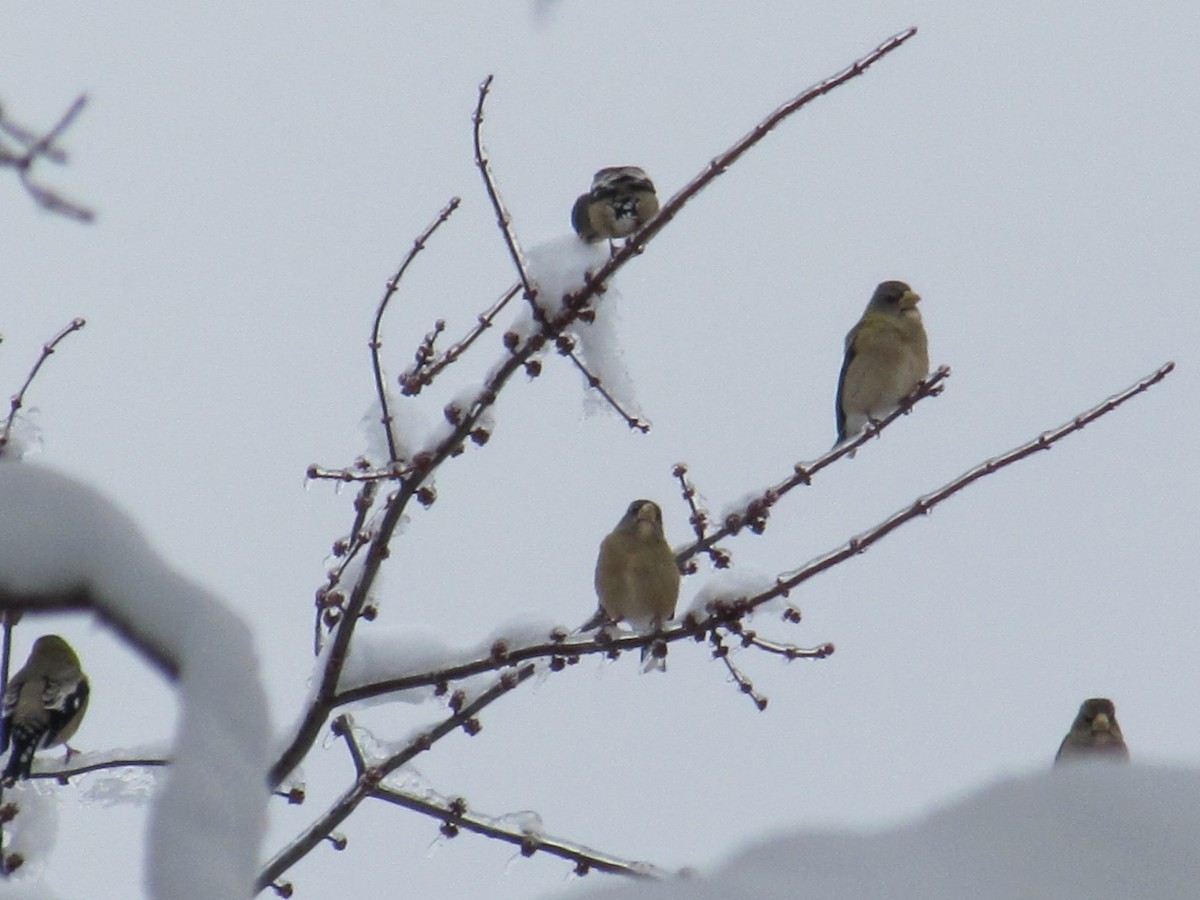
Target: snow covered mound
(1087,832)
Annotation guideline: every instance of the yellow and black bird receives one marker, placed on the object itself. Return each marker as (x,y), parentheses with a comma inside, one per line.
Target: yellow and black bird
(621,201)
(43,705)
(887,355)
(1094,735)
(637,580)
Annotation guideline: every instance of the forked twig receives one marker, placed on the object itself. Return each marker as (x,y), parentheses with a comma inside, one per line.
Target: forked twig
(18,399)
(464,717)
(377,343)
(727,613)
(922,505)
(35,148)
(422,375)
(425,464)
(503,219)
(755,513)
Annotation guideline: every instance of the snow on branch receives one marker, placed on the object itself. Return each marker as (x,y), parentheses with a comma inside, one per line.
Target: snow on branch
(18,399)
(464,716)
(65,546)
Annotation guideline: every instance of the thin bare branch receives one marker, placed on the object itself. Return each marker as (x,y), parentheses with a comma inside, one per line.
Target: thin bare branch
(787,651)
(636,242)
(18,399)
(633,422)
(922,505)
(727,613)
(754,514)
(68,771)
(503,219)
(346,550)
(390,473)
(745,685)
(456,816)
(376,343)
(698,519)
(35,148)
(465,717)
(422,375)
(427,463)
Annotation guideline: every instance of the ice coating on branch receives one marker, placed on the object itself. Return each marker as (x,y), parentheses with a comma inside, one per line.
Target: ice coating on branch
(735,584)
(410,427)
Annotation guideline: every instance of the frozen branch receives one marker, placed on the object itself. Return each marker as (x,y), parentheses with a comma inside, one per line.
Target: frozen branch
(455,816)
(754,513)
(503,219)
(729,614)
(923,505)
(376,340)
(636,242)
(421,375)
(18,399)
(369,778)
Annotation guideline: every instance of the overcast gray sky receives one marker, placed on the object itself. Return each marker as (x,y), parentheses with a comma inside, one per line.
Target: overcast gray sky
(258,173)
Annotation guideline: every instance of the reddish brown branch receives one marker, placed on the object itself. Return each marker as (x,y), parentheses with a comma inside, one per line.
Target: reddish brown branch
(503,219)
(745,685)
(633,422)
(346,550)
(755,512)
(422,375)
(376,343)
(922,505)
(698,519)
(68,771)
(636,242)
(18,399)
(369,777)
(427,463)
(455,816)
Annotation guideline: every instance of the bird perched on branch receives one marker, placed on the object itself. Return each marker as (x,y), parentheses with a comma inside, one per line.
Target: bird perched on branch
(1094,735)
(637,580)
(621,201)
(43,705)
(887,355)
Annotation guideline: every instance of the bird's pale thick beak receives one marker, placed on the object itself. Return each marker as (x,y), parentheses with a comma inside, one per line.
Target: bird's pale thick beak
(1101,723)
(645,513)
(909,299)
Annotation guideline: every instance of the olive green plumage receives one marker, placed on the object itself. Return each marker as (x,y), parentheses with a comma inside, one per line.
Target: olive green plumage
(637,580)
(1094,735)
(887,356)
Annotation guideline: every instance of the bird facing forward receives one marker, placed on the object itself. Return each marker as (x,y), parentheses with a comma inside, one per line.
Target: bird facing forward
(637,580)
(887,355)
(621,201)
(1094,735)
(43,705)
